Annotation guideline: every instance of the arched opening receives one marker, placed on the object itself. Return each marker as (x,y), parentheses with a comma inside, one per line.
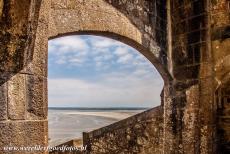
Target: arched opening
(109,19)
(137,26)
(94,78)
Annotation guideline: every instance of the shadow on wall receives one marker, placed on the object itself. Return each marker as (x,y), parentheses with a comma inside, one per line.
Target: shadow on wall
(17,40)
(223,116)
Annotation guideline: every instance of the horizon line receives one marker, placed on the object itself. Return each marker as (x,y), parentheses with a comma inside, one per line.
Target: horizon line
(59,107)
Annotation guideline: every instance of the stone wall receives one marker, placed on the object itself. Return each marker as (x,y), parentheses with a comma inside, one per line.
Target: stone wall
(200,38)
(186,40)
(18,27)
(142,133)
(220,44)
(223,118)
(188,119)
(18,22)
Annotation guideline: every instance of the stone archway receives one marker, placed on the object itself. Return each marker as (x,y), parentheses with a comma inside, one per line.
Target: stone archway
(107,19)
(104,19)
(24,92)
(194,48)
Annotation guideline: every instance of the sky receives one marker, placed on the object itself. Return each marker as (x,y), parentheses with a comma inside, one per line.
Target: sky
(93,71)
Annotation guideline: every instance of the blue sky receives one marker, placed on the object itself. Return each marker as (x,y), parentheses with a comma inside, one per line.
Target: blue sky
(93,71)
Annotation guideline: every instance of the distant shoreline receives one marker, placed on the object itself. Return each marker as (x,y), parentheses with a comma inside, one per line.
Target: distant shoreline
(98,108)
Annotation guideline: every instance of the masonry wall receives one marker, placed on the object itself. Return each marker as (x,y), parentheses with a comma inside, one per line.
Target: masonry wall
(142,133)
(195,27)
(186,40)
(220,40)
(150,17)
(22,122)
(189,110)
(190,124)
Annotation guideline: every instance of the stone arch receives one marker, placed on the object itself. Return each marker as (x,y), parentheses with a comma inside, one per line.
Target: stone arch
(103,19)
(137,23)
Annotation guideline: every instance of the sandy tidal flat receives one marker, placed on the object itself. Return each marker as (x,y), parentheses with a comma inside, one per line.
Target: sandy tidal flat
(65,125)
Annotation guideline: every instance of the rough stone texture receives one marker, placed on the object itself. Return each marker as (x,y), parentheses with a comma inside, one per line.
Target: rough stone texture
(1,9)
(14,134)
(187,41)
(36,70)
(36,97)
(3,102)
(192,121)
(223,122)
(38,66)
(220,40)
(18,24)
(16,97)
(141,133)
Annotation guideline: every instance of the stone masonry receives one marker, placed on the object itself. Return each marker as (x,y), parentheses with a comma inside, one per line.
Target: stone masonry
(188,42)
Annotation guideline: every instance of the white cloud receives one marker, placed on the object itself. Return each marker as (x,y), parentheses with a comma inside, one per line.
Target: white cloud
(70,50)
(100,42)
(103,57)
(133,82)
(64,44)
(61,61)
(112,90)
(76,60)
(141,72)
(125,59)
(121,51)
(99,63)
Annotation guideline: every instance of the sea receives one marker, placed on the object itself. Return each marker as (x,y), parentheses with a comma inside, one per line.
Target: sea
(69,123)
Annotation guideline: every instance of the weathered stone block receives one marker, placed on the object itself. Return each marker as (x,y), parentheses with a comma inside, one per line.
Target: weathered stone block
(71,4)
(37,60)
(186,72)
(204,52)
(206,110)
(3,101)
(16,97)
(138,134)
(23,133)
(206,85)
(190,119)
(36,93)
(59,4)
(206,70)
(38,64)
(220,18)
(1,8)
(220,47)
(17,28)
(206,138)
(181,56)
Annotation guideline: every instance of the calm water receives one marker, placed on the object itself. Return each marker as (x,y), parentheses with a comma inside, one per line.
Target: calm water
(69,123)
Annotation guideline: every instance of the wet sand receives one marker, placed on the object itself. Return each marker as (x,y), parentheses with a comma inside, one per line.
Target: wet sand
(65,125)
